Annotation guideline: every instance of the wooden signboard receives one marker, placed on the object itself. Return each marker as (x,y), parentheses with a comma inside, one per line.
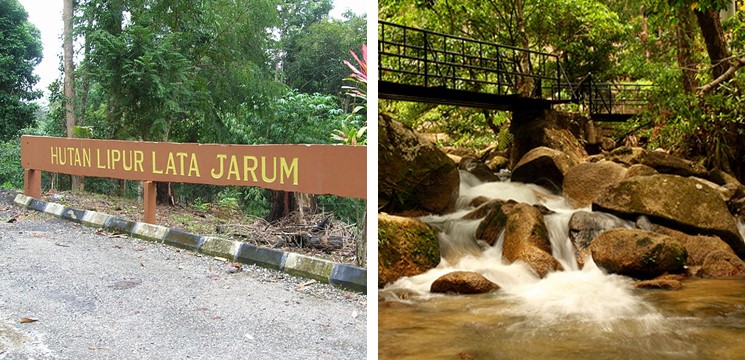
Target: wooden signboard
(316,169)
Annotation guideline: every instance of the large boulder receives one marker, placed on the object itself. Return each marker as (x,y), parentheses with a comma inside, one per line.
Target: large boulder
(463,282)
(584,182)
(673,201)
(526,239)
(669,164)
(406,247)
(585,226)
(722,265)
(412,172)
(543,166)
(549,128)
(638,253)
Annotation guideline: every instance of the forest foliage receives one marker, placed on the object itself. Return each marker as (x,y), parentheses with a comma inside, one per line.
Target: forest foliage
(214,71)
(692,51)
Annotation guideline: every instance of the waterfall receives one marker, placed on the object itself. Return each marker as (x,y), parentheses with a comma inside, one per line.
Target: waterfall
(588,293)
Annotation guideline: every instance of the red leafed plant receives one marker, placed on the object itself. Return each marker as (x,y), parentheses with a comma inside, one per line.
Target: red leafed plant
(358,76)
(348,134)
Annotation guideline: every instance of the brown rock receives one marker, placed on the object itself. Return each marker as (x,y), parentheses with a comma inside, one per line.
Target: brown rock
(543,166)
(584,182)
(484,209)
(676,202)
(722,265)
(638,253)
(498,162)
(670,164)
(494,221)
(663,284)
(412,172)
(698,247)
(627,155)
(639,170)
(526,239)
(463,282)
(533,129)
(406,247)
(478,169)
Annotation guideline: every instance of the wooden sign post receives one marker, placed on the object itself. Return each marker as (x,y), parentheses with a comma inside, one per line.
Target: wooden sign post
(315,169)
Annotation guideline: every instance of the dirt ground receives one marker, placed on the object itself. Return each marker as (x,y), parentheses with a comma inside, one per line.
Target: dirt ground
(230,223)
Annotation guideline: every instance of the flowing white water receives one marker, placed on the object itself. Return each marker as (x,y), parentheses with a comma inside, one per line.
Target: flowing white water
(586,294)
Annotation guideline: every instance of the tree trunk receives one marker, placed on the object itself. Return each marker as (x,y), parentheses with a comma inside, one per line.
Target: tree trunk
(525,84)
(716,44)
(163,194)
(283,203)
(686,55)
(78,182)
(361,245)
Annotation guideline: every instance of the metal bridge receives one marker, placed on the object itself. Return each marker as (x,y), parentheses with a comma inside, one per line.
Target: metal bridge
(431,67)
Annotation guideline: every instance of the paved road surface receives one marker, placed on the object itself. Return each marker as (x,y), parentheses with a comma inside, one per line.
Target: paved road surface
(98,296)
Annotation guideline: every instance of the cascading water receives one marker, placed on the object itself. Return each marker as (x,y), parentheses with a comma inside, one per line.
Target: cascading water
(587,293)
(572,314)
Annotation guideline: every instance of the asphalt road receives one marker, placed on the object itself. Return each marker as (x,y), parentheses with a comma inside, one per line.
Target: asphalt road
(102,296)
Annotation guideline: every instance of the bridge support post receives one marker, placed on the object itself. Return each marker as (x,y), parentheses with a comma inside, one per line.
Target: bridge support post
(149,197)
(32,183)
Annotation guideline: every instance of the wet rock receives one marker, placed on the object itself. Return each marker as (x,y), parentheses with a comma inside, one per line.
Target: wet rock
(478,201)
(698,246)
(543,166)
(406,247)
(676,202)
(494,222)
(526,240)
(498,162)
(669,164)
(463,282)
(638,253)
(662,284)
(412,172)
(478,169)
(585,226)
(627,155)
(484,209)
(722,265)
(584,182)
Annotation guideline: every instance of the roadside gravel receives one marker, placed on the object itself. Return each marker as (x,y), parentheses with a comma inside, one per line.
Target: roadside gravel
(104,296)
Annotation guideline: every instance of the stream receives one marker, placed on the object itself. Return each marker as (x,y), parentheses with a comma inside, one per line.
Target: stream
(573,314)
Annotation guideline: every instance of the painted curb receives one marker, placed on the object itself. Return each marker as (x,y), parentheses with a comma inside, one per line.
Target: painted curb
(305,266)
(340,275)
(268,258)
(183,240)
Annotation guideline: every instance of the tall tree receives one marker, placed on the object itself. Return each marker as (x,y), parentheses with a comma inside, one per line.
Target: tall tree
(316,64)
(20,52)
(71,122)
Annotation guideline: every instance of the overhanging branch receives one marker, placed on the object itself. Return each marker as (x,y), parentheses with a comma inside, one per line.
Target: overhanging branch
(734,65)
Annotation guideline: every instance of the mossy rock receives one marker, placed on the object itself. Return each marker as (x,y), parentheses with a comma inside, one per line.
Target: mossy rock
(406,247)
(638,253)
(673,201)
(412,172)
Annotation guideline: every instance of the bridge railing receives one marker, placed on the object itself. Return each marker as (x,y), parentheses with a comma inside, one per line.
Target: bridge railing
(420,57)
(605,98)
